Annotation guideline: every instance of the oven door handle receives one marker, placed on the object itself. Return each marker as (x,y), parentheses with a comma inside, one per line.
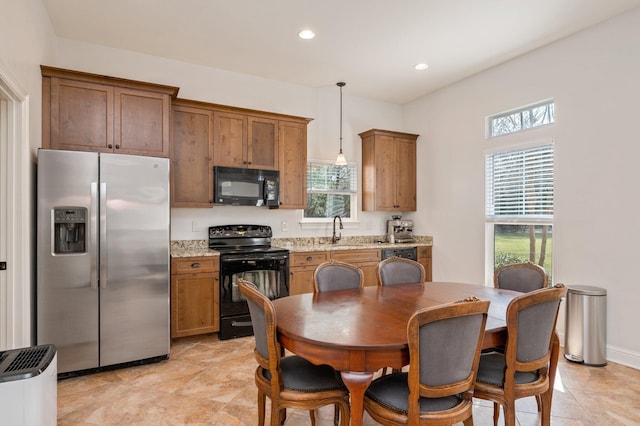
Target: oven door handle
(241,258)
(241,323)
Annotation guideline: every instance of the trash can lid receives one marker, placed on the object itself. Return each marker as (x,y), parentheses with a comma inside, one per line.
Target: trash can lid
(586,290)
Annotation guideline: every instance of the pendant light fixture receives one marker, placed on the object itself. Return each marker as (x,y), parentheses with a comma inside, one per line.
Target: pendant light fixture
(341,161)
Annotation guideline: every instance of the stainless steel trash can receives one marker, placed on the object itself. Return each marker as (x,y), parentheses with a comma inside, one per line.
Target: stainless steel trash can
(585,325)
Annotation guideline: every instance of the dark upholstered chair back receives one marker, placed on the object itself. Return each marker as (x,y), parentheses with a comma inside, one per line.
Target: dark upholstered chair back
(335,275)
(397,270)
(522,277)
(531,322)
(262,317)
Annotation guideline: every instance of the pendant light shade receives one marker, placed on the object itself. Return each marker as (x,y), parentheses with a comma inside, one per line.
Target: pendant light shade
(341,161)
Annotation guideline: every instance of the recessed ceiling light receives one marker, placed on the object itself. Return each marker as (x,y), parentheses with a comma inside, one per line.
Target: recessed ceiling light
(306,34)
(421,67)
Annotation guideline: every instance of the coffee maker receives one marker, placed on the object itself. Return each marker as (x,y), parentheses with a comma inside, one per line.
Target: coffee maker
(399,230)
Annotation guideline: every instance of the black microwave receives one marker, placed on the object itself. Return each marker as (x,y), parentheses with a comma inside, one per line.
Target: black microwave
(246,187)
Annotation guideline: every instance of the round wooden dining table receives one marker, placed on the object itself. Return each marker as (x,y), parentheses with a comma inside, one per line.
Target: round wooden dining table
(360,331)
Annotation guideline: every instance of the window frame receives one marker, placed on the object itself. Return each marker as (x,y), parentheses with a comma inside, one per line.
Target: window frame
(353,195)
(489,128)
(492,220)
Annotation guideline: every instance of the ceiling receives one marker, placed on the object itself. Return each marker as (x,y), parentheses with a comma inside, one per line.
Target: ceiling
(372,45)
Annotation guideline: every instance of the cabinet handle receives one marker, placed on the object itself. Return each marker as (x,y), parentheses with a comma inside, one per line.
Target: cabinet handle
(110,146)
(117,146)
(195,265)
(309,258)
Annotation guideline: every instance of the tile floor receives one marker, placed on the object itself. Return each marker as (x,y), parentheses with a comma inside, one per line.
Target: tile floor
(210,382)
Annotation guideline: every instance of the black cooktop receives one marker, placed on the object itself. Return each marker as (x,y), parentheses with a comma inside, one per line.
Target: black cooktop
(240,239)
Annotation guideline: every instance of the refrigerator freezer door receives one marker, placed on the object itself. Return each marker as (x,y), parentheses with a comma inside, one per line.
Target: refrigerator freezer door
(67,293)
(134,284)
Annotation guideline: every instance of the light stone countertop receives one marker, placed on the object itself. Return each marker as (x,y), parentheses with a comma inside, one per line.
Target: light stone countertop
(195,248)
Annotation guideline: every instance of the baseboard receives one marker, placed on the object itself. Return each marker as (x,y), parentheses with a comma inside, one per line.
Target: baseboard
(623,356)
(615,354)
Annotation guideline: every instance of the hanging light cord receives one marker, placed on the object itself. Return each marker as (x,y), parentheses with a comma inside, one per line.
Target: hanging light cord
(341,85)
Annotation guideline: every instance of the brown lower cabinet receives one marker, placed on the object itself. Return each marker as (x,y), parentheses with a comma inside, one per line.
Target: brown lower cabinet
(424,257)
(303,264)
(301,268)
(195,296)
(367,260)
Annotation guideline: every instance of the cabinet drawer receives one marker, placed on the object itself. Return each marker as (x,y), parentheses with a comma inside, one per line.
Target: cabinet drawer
(356,256)
(190,265)
(424,251)
(308,258)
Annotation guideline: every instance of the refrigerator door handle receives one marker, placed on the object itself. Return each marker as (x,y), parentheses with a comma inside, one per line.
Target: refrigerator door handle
(103,235)
(93,246)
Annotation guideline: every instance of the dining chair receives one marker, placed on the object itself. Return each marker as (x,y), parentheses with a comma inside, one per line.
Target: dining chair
(444,349)
(522,277)
(398,270)
(290,381)
(523,369)
(334,275)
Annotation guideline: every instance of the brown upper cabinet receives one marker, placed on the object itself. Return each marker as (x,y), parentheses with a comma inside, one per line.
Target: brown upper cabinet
(388,171)
(245,141)
(191,155)
(206,135)
(89,112)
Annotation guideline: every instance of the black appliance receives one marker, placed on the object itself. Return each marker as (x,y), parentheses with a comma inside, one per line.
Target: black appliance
(246,187)
(246,252)
(407,253)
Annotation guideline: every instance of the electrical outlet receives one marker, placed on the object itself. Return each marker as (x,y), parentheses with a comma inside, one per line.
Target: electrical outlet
(283,226)
(195,226)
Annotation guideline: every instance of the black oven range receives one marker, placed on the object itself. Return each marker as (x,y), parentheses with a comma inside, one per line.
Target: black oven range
(246,252)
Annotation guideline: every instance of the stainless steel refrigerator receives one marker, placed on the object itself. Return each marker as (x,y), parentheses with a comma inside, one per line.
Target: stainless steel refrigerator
(102,292)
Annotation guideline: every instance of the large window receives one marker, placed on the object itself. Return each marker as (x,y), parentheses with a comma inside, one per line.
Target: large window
(331,191)
(519,205)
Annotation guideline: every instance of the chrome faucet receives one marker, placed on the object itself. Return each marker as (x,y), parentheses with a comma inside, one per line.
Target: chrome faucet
(335,238)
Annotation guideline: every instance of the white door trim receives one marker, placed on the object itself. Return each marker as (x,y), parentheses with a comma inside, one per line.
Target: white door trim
(15,215)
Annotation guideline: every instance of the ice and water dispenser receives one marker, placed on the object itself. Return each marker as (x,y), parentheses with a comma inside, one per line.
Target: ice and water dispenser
(69,227)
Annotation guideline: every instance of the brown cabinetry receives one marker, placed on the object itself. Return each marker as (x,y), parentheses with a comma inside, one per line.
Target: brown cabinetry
(388,171)
(242,140)
(293,164)
(302,265)
(194,296)
(88,112)
(424,257)
(191,155)
(367,260)
(207,134)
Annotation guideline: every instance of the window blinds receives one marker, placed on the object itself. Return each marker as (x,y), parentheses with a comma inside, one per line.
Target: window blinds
(519,184)
(329,178)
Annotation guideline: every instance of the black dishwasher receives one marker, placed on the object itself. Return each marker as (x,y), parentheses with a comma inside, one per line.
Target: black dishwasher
(407,253)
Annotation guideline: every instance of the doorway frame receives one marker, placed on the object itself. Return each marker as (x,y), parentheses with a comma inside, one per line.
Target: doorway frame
(15,215)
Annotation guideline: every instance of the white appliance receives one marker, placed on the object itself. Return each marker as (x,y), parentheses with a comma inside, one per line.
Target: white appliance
(103,258)
(28,386)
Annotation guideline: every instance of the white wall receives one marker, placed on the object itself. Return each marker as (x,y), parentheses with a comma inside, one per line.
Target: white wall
(593,77)
(25,42)
(222,87)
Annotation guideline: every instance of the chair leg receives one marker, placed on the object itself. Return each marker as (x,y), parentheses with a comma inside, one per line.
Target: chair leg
(312,416)
(468,422)
(261,407)
(509,413)
(496,413)
(336,414)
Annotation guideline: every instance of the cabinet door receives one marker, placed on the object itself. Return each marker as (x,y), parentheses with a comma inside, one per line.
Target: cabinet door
(293,165)
(301,280)
(141,122)
(262,143)
(81,116)
(194,304)
(424,257)
(370,271)
(191,157)
(405,176)
(229,139)
(385,169)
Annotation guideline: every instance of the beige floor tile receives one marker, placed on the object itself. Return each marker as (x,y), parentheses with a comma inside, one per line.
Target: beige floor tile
(210,382)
